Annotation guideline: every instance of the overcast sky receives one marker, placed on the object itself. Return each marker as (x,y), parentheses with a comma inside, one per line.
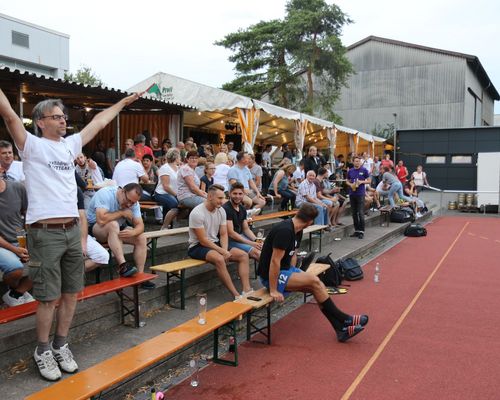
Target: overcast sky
(127,41)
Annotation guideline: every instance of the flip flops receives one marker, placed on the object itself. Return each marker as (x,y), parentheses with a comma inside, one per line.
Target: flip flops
(335,290)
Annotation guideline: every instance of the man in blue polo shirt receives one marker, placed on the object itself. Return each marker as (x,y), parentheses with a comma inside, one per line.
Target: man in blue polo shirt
(357,178)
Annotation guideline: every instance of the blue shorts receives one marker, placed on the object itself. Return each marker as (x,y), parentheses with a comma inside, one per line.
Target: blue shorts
(199,252)
(283,277)
(242,246)
(9,261)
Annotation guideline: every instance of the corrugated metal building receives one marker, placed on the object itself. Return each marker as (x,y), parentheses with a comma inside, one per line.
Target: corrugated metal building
(425,87)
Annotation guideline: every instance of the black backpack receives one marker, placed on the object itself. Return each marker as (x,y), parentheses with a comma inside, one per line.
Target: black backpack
(350,269)
(415,230)
(332,276)
(401,215)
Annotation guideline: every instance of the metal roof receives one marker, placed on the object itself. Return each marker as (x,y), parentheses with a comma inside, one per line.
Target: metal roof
(473,61)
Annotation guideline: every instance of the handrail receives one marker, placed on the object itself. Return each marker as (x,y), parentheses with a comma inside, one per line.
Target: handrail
(443,191)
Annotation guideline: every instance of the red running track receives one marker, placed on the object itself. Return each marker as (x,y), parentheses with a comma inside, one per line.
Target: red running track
(433,330)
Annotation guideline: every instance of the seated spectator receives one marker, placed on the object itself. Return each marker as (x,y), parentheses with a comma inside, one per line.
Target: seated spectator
(94,254)
(166,190)
(90,173)
(401,172)
(278,274)
(391,185)
(420,178)
(13,204)
(224,149)
(280,187)
(375,175)
(256,171)
(339,166)
(324,193)
(114,217)
(208,240)
(189,193)
(129,170)
(240,234)
(221,169)
(231,151)
(207,180)
(409,188)
(299,174)
(155,146)
(200,169)
(241,173)
(129,144)
(150,168)
(307,193)
(10,169)
(182,151)
(140,147)
(166,145)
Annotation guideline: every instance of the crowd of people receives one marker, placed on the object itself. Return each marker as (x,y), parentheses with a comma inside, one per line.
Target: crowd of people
(71,203)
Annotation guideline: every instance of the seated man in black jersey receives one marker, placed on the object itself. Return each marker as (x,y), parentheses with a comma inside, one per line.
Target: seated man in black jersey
(278,274)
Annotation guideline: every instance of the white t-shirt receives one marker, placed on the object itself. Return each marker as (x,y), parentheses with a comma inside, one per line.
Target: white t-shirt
(368,164)
(128,171)
(419,178)
(166,169)
(220,176)
(234,154)
(200,217)
(299,174)
(15,171)
(50,176)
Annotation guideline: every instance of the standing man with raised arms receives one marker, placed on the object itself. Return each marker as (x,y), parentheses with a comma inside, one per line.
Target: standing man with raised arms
(56,259)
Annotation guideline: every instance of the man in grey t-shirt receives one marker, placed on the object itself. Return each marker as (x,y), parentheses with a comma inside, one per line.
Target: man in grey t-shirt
(208,240)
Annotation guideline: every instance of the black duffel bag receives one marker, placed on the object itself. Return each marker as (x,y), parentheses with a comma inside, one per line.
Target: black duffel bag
(350,269)
(332,276)
(415,230)
(401,215)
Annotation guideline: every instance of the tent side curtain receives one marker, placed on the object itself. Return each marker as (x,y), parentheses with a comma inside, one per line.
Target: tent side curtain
(299,136)
(249,122)
(276,110)
(331,133)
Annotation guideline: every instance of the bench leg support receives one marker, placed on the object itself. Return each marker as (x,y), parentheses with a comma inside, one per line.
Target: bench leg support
(232,332)
(253,328)
(181,275)
(129,305)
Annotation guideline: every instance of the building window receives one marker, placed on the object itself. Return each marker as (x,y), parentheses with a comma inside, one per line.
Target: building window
(461,159)
(435,160)
(20,39)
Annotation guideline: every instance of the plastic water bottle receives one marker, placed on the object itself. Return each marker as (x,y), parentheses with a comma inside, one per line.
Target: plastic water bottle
(376,275)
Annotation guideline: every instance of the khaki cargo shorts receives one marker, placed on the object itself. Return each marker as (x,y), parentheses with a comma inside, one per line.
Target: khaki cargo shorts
(56,262)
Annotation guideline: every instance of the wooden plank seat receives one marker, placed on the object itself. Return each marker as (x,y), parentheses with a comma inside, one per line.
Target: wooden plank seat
(177,270)
(277,214)
(153,236)
(92,382)
(265,304)
(129,305)
(314,229)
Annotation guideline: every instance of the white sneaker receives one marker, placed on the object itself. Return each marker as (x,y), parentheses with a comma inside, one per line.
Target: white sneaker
(28,298)
(47,365)
(243,293)
(252,212)
(64,358)
(11,301)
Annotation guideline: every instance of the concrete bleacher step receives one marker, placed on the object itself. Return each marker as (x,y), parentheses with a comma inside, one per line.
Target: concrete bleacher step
(96,333)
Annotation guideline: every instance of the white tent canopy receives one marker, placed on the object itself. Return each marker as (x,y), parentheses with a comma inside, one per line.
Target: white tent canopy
(276,111)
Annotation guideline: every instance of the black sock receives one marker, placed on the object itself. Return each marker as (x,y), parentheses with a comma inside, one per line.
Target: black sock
(15,294)
(333,314)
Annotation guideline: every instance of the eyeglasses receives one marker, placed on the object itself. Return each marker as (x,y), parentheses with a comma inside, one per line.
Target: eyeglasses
(129,202)
(56,117)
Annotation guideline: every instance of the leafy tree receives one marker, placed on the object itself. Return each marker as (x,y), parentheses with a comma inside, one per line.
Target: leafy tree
(386,131)
(85,76)
(299,62)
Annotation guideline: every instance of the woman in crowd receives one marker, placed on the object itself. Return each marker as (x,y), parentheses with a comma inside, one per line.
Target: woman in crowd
(189,193)
(166,190)
(207,180)
(420,178)
(279,187)
(221,169)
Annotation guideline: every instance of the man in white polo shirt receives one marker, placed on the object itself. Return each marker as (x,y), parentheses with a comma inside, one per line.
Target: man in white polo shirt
(10,169)
(56,259)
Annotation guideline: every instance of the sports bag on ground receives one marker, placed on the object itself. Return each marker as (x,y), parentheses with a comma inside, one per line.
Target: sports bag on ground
(415,230)
(350,269)
(332,276)
(401,215)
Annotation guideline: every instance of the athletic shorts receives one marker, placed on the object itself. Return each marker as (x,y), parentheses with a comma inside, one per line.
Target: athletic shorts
(283,277)
(56,262)
(199,252)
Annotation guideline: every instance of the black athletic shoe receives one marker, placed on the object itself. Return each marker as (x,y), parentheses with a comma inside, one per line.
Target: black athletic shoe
(361,235)
(148,285)
(356,320)
(125,270)
(354,234)
(348,332)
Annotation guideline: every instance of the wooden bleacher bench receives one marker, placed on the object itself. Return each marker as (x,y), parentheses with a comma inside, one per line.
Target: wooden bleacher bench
(277,214)
(265,301)
(153,236)
(177,269)
(92,382)
(129,304)
(313,229)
